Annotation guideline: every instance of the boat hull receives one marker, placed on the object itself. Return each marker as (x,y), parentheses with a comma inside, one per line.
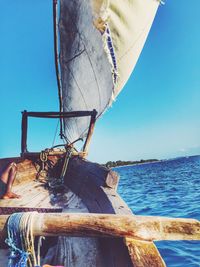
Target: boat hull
(90,187)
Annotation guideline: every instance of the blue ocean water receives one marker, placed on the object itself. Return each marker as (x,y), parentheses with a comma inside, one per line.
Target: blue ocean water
(168,188)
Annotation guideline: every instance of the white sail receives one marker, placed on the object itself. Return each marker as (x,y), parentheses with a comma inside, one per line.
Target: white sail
(100,42)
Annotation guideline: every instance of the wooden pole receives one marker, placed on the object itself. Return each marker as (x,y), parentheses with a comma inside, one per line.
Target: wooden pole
(106,225)
(24,132)
(56,59)
(90,132)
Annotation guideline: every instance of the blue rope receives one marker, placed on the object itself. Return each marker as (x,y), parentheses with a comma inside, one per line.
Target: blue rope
(112,52)
(18,257)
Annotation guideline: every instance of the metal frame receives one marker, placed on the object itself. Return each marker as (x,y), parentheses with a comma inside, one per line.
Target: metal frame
(56,115)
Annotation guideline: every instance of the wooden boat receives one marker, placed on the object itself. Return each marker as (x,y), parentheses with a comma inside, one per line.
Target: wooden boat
(85,221)
(90,188)
(82,239)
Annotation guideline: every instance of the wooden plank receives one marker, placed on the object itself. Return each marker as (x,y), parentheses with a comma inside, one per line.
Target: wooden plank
(143,253)
(28,191)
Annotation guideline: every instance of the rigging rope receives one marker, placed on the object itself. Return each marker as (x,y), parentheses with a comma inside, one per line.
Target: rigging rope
(21,240)
(54,139)
(27,239)
(18,257)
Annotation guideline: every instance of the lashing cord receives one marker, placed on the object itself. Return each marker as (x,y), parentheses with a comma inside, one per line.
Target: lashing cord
(21,240)
(53,182)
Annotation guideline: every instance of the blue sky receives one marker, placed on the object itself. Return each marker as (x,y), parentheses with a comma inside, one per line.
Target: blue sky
(157,115)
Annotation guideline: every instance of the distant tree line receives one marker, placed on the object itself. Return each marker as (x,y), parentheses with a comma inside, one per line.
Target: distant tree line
(117,163)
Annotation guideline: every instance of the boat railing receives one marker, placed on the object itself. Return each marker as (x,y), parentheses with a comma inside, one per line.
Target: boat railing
(57,115)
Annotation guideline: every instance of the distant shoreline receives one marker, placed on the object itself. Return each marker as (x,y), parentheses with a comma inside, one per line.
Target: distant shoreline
(120,163)
(135,164)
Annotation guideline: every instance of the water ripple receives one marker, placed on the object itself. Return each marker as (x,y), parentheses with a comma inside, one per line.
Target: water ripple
(168,188)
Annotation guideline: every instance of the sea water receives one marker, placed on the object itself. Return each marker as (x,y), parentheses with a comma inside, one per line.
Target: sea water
(167,188)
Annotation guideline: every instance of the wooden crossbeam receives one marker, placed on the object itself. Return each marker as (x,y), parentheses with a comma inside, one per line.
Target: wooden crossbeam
(105,225)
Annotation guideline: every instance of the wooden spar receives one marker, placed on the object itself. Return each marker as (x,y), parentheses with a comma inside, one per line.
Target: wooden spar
(106,225)
(56,59)
(24,132)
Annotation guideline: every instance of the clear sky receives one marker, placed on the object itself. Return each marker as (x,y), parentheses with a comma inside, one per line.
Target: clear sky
(157,115)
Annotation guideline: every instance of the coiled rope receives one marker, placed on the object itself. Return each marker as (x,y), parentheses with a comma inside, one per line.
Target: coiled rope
(21,240)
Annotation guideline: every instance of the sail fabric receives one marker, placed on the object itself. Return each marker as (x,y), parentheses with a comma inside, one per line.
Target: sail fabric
(100,42)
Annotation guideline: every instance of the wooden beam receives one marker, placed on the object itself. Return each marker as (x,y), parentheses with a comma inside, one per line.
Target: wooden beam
(106,225)
(24,129)
(79,170)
